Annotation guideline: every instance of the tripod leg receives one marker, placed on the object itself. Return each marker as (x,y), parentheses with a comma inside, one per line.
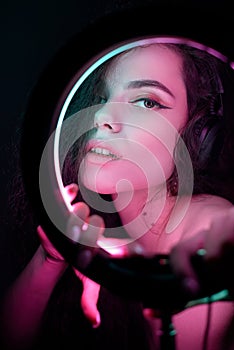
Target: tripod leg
(167,334)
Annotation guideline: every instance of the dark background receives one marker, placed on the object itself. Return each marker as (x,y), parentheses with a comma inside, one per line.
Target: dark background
(31,32)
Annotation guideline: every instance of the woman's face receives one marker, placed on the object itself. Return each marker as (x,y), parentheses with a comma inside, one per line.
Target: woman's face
(143,106)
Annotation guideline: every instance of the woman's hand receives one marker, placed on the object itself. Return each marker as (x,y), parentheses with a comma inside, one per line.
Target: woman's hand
(218,245)
(82,227)
(49,252)
(86,230)
(91,289)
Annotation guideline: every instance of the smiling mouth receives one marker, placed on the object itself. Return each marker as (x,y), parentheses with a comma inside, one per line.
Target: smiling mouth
(103,152)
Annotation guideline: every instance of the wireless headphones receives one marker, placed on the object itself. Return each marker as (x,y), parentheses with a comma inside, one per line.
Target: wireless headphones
(210,129)
(211,139)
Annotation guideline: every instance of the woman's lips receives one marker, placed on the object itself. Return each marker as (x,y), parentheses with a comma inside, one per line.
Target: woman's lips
(99,152)
(103,152)
(102,148)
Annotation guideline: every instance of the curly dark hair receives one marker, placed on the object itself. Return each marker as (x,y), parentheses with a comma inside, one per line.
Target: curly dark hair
(207,134)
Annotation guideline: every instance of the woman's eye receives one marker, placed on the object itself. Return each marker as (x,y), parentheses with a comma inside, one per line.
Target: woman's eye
(148,103)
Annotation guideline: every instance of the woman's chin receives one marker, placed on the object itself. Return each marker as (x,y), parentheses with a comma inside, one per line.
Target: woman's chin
(101,188)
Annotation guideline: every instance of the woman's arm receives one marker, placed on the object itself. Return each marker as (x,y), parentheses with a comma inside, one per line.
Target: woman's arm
(26,300)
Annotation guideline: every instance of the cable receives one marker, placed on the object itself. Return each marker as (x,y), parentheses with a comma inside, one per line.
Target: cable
(208,321)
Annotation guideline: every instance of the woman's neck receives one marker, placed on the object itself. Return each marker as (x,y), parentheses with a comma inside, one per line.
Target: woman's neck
(143,212)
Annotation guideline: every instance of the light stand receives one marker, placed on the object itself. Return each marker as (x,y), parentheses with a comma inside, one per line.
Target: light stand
(167,332)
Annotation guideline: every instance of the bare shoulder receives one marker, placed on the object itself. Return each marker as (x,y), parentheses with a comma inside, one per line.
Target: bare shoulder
(209,203)
(190,217)
(201,212)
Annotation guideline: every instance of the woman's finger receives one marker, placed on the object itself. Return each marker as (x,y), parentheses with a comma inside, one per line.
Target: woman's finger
(120,247)
(71,191)
(47,245)
(180,258)
(77,220)
(92,230)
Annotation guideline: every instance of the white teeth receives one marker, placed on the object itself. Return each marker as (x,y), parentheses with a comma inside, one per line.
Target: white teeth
(103,152)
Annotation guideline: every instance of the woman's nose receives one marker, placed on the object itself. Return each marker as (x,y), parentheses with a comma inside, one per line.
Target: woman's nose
(107,117)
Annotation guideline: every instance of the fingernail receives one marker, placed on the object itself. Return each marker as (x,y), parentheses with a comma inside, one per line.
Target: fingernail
(201,252)
(147,313)
(85,226)
(135,249)
(75,233)
(138,249)
(72,189)
(98,321)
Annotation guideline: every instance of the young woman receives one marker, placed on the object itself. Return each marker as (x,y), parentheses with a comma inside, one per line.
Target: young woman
(130,157)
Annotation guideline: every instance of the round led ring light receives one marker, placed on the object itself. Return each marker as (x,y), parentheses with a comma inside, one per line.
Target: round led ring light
(48,199)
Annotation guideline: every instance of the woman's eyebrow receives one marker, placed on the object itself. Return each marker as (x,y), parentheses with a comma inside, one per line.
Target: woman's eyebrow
(144,83)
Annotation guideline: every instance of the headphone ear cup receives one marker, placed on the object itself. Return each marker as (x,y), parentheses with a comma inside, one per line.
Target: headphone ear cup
(211,139)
